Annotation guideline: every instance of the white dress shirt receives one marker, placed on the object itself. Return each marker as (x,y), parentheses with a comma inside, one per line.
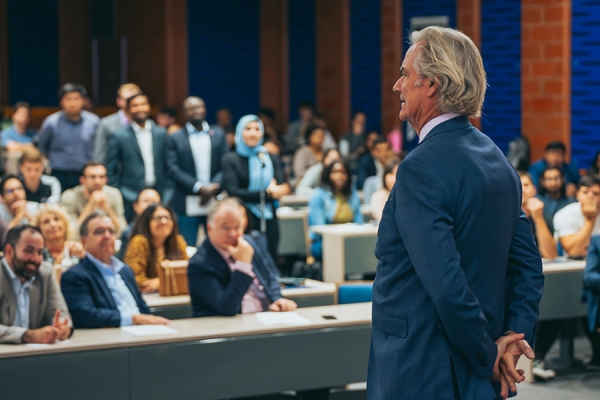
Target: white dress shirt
(201,151)
(144,139)
(435,122)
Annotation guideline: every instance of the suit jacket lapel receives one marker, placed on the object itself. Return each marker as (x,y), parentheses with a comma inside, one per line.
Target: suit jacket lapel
(34,301)
(7,294)
(134,142)
(93,270)
(156,152)
(132,286)
(222,267)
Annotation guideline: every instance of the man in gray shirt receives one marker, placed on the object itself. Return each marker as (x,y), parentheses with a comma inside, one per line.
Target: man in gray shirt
(67,136)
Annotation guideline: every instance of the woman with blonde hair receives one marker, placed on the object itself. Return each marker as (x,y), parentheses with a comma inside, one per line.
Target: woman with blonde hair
(53,222)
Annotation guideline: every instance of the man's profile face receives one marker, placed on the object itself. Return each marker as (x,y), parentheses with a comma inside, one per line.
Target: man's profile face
(13,192)
(72,103)
(585,193)
(139,109)
(100,240)
(554,157)
(26,258)
(31,171)
(528,188)
(194,109)
(226,227)
(94,178)
(552,181)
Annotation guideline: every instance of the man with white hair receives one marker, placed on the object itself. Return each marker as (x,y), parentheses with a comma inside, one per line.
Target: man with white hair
(459,278)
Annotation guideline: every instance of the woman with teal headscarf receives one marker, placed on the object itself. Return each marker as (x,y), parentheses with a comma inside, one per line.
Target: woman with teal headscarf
(250,170)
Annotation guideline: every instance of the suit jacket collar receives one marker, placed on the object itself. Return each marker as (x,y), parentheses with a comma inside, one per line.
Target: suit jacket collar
(222,266)
(97,276)
(460,122)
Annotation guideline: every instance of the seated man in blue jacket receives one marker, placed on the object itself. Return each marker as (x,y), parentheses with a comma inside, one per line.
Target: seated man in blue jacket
(101,291)
(230,273)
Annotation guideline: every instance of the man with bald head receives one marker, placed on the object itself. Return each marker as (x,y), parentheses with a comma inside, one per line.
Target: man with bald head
(194,163)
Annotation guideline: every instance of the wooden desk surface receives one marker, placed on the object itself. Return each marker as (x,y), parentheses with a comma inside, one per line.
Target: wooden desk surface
(346,230)
(208,328)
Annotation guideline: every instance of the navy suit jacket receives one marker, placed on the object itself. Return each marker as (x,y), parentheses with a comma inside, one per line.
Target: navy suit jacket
(366,168)
(458,267)
(125,165)
(591,282)
(217,290)
(182,167)
(89,299)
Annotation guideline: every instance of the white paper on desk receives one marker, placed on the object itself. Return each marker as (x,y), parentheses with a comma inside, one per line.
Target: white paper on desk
(193,207)
(290,318)
(149,330)
(43,345)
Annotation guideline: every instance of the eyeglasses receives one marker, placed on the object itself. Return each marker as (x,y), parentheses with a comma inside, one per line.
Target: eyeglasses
(11,191)
(159,218)
(102,231)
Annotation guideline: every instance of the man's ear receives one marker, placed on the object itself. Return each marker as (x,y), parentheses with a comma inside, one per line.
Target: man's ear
(433,87)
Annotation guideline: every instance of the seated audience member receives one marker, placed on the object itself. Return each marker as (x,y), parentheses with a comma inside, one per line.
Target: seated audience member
(591,283)
(31,304)
(380,196)
(553,194)
(595,167)
(113,122)
(575,224)
(373,162)
(93,194)
(334,202)
(101,291)
(554,156)
(267,116)
(145,198)
(230,139)
(534,209)
(352,144)
(154,238)
(294,136)
(39,188)
(18,137)
(312,177)
(329,141)
(310,153)
(14,210)
(245,176)
(53,222)
(167,118)
(230,274)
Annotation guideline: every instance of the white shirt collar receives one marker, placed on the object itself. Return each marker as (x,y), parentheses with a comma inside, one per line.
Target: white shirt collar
(192,129)
(435,122)
(138,129)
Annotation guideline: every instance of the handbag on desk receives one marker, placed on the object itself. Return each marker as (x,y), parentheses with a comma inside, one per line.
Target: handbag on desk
(173,278)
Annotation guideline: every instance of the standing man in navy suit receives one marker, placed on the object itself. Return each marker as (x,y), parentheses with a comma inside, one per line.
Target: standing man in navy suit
(194,163)
(459,278)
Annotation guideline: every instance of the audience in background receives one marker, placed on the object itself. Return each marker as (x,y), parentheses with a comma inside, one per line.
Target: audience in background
(312,177)
(144,199)
(576,223)
(101,291)
(19,137)
(552,192)
(230,274)
(14,211)
(154,238)
(39,188)
(534,209)
(249,171)
(352,144)
(311,153)
(591,284)
(230,138)
(554,156)
(224,120)
(334,202)
(371,163)
(53,222)
(136,156)
(595,167)
(295,134)
(113,122)
(91,195)
(31,305)
(271,136)
(329,141)
(194,156)
(381,195)
(67,136)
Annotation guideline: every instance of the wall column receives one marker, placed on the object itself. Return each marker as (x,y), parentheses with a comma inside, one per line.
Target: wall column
(468,20)
(4,65)
(176,32)
(391,60)
(74,43)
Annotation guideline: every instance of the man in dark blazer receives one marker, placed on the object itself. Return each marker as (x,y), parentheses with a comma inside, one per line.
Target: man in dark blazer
(459,277)
(194,163)
(101,291)
(230,274)
(591,284)
(136,156)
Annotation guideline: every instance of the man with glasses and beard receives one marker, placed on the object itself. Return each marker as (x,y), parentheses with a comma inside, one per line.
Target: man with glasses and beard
(31,304)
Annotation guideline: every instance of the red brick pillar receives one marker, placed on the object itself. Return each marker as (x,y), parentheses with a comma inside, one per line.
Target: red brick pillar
(468,17)
(333,63)
(4,66)
(391,60)
(546,73)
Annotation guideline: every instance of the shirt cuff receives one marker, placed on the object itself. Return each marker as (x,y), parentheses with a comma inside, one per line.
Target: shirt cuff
(126,319)
(244,267)
(197,186)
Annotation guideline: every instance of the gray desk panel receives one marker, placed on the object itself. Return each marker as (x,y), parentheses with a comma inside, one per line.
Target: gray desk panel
(315,301)
(291,237)
(87,375)
(173,312)
(252,365)
(360,255)
(562,294)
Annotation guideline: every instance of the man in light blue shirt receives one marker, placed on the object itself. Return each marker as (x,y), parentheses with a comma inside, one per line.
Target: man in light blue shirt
(101,291)
(18,137)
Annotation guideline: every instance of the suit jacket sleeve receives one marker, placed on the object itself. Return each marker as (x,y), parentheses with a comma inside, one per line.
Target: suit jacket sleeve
(44,137)
(84,312)
(205,287)
(101,142)
(524,281)
(591,273)
(55,301)
(424,221)
(232,165)
(113,157)
(181,178)
(11,334)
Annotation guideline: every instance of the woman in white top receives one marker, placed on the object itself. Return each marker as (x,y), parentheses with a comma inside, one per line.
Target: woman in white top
(379,197)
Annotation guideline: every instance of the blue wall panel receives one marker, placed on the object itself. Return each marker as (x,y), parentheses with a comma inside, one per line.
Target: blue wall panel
(585,82)
(365,66)
(224,56)
(33,51)
(501,53)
